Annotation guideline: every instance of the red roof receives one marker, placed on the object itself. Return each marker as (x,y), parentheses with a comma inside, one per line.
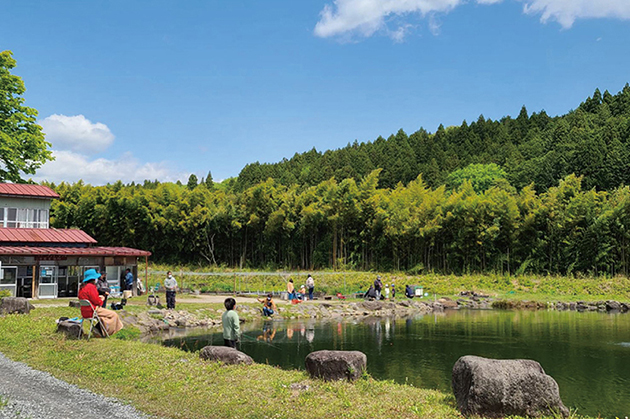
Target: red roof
(71,251)
(44,235)
(33,191)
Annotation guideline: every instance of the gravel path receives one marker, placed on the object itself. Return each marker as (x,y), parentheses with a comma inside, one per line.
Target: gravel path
(26,393)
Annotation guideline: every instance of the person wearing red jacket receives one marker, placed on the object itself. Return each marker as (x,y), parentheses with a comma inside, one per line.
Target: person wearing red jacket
(89,292)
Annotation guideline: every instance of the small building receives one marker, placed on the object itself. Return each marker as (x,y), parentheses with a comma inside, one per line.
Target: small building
(37,261)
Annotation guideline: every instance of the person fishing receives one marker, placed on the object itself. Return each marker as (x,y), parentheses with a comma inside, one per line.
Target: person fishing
(231,324)
(269,306)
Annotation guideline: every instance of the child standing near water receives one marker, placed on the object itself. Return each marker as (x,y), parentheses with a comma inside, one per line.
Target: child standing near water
(387,292)
(231,325)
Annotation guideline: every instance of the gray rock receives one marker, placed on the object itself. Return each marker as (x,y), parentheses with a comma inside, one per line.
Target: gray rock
(437,306)
(497,388)
(74,304)
(72,330)
(447,303)
(613,305)
(15,305)
(372,305)
(224,354)
(336,365)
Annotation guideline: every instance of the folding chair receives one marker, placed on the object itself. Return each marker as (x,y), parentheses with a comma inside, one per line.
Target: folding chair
(94,320)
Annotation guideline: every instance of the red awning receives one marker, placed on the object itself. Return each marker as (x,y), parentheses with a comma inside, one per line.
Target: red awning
(44,235)
(32,191)
(71,251)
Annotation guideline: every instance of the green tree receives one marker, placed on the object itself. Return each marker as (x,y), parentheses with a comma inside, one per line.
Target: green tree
(192,182)
(209,182)
(22,146)
(481,176)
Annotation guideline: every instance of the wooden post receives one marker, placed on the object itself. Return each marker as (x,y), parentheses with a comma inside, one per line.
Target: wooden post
(35,286)
(146,274)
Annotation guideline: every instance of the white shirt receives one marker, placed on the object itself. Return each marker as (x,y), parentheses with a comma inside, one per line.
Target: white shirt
(170,283)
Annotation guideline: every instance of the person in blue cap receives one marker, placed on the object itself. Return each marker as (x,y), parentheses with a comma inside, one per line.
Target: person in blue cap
(88,292)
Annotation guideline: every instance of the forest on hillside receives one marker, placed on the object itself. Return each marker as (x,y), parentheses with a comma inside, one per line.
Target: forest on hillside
(533,194)
(592,141)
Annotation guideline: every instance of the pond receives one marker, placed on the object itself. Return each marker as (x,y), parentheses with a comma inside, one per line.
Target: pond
(588,354)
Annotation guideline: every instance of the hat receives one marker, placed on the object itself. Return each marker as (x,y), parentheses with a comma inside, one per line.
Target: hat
(90,274)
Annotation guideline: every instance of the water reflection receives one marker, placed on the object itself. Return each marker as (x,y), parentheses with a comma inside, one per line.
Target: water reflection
(268,332)
(588,354)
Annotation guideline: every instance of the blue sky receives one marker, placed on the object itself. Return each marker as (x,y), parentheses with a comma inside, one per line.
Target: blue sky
(161,89)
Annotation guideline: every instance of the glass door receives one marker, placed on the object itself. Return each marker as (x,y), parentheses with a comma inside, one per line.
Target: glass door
(48,281)
(8,279)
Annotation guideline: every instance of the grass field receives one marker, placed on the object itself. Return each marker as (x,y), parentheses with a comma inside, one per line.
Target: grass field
(534,288)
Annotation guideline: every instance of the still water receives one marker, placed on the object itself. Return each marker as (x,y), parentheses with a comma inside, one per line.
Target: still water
(588,354)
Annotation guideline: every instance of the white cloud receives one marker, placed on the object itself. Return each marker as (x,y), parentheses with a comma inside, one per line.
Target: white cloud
(76,133)
(364,18)
(70,167)
(75,140)
(566,12)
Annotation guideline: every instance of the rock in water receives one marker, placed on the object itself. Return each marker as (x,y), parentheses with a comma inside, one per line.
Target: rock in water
(13,305)
(497,388)
(224,354)
(336,365)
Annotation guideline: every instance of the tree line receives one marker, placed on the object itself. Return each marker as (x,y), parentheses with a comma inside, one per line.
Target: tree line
(346,224)
(592,141)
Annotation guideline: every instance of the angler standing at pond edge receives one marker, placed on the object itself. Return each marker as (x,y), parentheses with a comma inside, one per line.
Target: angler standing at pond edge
(310,284)
(170,283)
(231,324)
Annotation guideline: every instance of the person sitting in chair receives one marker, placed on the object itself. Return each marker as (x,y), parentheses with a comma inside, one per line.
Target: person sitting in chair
(88,292)
(409,291)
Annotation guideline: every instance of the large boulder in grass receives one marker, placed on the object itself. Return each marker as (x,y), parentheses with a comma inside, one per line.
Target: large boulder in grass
(225,354)
(336,365)
(496,388)
(15,305)
(71,329)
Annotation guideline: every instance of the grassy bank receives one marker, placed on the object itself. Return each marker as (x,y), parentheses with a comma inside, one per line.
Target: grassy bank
(538,288)
(171,383)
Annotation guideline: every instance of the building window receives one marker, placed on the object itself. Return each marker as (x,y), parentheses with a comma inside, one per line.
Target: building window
(24,218)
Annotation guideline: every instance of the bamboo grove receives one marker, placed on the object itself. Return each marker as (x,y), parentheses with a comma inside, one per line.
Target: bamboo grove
(533,194)
(356,225)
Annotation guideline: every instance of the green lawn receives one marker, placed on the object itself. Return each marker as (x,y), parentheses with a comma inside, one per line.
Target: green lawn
(172,383)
